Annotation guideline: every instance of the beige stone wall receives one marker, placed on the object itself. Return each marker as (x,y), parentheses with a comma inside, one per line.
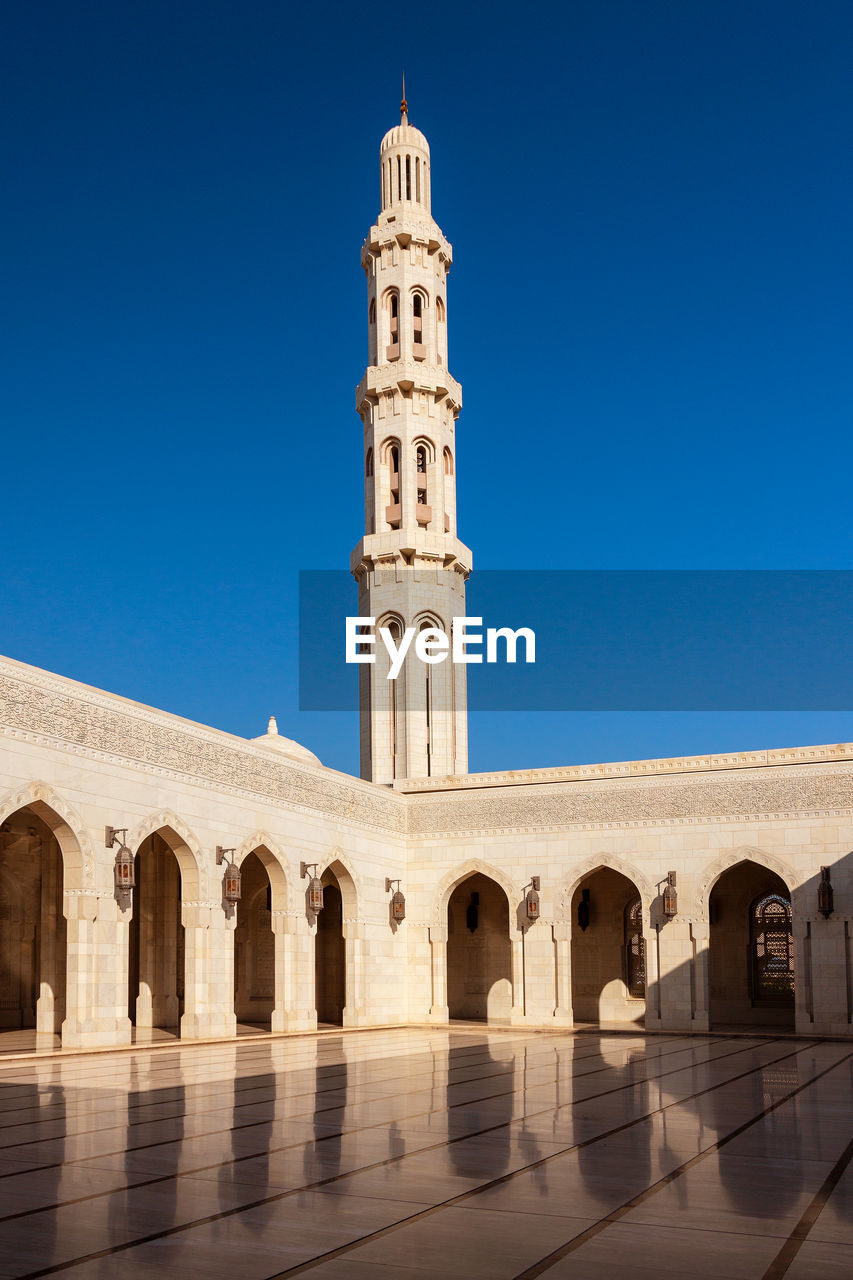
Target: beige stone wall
(76,759)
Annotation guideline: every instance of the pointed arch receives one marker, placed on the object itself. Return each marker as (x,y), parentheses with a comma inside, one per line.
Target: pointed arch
(183,843)
(78,857)
(471,867)
(274,861)
(725,862)
(602,862)
(343,871)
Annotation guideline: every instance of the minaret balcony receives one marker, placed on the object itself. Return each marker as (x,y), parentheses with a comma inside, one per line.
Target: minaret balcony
(419,350)
(393,515)
(392,352)
(423,513)
(421,374)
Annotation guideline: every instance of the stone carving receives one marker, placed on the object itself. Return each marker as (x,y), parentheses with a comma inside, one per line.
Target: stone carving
(35,792)
(746,853)
(41,707)
(470,867)
(647,891)
(651,802)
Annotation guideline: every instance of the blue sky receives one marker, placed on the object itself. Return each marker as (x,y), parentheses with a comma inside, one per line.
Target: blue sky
(649,311)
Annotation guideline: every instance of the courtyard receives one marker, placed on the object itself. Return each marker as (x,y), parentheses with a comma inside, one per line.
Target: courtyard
(432,1152)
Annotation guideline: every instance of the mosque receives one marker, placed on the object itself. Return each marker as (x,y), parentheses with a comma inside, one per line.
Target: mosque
(162,878)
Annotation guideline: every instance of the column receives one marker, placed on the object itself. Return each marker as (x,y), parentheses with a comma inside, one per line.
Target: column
(96,966)
(50,1004)
(355,1014)
(208,972)
(700,932)
(517,943)
(563,1014)
(295,1002)
(439,1010)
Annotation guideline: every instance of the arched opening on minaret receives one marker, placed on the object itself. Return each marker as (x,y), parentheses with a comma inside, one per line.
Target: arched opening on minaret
(479,951)
(392,303)
(751,949)
(254,947)
(608,949)
(330,955)
(419,302)
(33,948)
(440,332)
(157,939)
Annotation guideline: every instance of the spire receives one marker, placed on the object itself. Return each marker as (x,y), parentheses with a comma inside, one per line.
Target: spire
(404,106)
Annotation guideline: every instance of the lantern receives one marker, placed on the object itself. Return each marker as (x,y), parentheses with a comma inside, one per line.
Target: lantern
(532,899)
(124,877)
(584,911)
(315,895)
(825,903)
(398,902)
(670,898)
(123,869)
(232,883)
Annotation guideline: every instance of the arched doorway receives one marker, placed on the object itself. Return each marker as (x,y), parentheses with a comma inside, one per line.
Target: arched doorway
(608,949)
(254,947)
(32,926)
(479,951)
(156,959)
(751,949)
(330,954)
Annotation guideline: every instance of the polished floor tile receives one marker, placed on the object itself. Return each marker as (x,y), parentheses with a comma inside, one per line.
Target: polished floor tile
(431,1152)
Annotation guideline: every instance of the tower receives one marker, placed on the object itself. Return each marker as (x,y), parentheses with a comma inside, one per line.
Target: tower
(410,566)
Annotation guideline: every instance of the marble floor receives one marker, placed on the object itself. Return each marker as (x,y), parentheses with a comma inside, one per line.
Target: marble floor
(426,1153)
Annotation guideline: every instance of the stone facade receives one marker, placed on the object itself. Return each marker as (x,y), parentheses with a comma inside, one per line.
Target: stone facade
(746,836)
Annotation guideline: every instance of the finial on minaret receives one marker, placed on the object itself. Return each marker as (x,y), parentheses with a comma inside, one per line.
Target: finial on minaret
(272,727)
(404,106)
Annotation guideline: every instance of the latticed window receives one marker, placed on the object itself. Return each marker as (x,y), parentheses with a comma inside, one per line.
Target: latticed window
(771,950)
(635,951)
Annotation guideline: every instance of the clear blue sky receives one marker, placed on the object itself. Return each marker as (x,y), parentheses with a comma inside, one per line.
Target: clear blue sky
(650,313)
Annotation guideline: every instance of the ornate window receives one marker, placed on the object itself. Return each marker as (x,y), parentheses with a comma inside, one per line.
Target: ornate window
(635,951)
(771,950)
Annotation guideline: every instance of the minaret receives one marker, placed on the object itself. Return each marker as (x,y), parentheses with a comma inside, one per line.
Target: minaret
(410,566)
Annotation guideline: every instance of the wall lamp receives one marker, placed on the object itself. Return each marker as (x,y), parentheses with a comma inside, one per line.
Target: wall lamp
(315,888)
(670,897)
(232,874)
(825,904)
(398,902)
(531,902)
(123,868)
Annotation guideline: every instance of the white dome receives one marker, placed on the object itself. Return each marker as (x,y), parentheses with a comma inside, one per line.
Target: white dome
(404,135)
(285,746)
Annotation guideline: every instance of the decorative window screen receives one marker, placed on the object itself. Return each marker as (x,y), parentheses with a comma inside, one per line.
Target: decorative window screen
(635,951)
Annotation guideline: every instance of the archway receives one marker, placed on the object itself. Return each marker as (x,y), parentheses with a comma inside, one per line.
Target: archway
(751,949)
(330,954)
(156,943)
(33,951)
(479,951)
(608,949)
(254,947)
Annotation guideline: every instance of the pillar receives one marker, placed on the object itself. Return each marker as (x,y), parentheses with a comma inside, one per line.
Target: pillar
(700,932)
(295,1000)
(208,972)
(562,931)
(96,966)
(355,1014)
(439,1010)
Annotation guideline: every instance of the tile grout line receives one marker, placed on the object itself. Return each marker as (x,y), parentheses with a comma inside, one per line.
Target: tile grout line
(786,1255)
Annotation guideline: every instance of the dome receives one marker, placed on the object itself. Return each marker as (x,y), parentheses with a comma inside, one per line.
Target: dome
(285,746)
(404,135)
